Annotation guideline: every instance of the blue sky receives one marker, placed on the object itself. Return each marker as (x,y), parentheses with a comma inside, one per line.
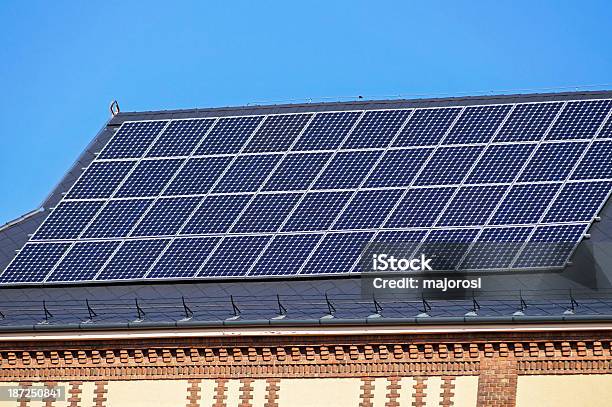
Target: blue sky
(63,62)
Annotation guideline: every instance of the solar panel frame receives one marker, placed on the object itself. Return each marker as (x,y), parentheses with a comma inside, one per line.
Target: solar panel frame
(362,112)
(516,177)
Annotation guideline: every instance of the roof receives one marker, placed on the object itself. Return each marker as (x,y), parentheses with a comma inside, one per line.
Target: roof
(547,295)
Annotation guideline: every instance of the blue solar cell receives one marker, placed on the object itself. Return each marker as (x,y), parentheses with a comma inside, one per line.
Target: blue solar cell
(580,120)
(347,170)
(596,163)
(247,173)
(216,214)
(34,262)
(197,176)
(277,133)
(420,207)
(477,124)
(426,127)
(132,140)
(525,204)
(446,248)
(180,138)
(472,205)
(229,135)
(398,168)
(133,259)
(368,209)
(500,163)
(552,162)
(149,178)
(117,218)
(448,165)
(606,131)
(100,180)
(266,213)
(326,131)
(399,244)
(317,211)
(183,258)
(68,220)
(297,171)
(376,129)
(285,254)
(528,122)
(234,256)
(578,202)
(83,261)
(166,216)
(550,246)
(337,253)
(496,248)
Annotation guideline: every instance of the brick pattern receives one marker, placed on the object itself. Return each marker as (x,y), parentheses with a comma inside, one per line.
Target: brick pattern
(393,389)
(496,357)
(49,401)
(497,383)
(220,396)
(367,392)
(74,394)
(23,400)
(193,393)
(448,387)
(419,391)
(100,393)
(245,393)
(272,388)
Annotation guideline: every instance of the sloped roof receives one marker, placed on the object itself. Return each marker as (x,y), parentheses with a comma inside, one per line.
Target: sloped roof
(22,307)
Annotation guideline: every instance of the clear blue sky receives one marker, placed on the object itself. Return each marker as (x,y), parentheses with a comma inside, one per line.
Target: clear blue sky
(61,63)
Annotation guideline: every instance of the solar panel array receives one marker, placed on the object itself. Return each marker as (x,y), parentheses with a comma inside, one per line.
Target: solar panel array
(492,187)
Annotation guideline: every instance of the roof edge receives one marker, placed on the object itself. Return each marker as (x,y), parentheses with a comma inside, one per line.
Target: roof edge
(417,102)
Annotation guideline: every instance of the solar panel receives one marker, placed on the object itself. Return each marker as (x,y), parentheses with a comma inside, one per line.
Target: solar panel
(397,168)
(133,139)
(525,204)
(578,201)
(198,176)
(117,218)
(148,178)
(326,131)
(472,205)
(83,261)
(553,161)
(228,135)
(376,129)
(477,124)
(500,163)
(529,122)
(266,213)
(580,120)
(183,258)
(133,259)
(180,138)
(68,220)
(247,173)
(368,209)
(347,170)
(449,165)
(426,127)
(100,179)
(297,171)
(277,133)
(166,216)
(492,187)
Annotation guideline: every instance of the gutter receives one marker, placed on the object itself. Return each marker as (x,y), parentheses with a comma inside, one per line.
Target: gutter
(286,327)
